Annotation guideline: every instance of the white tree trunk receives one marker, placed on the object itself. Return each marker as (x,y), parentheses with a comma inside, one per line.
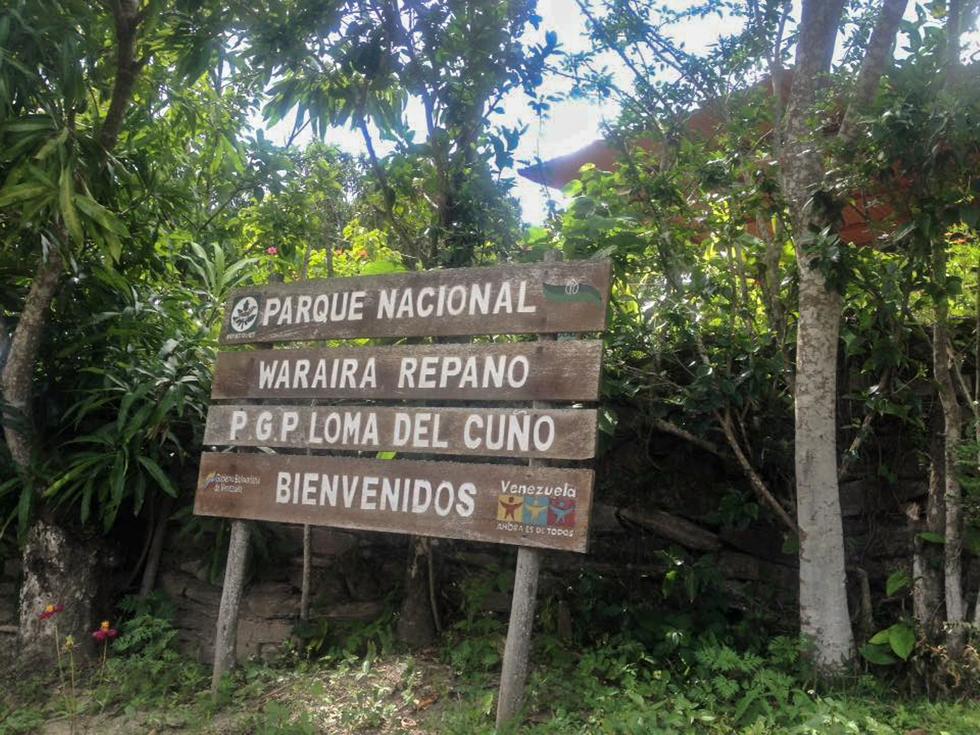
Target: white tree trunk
(952,431)
(823,582)
(927,586)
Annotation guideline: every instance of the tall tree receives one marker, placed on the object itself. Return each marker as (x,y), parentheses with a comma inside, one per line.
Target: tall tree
(58,151)
(669,81)
(824,611)
(82,89)
(442,200)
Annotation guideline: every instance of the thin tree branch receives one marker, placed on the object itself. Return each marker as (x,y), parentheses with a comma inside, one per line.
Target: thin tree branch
(758,484)
(877,56)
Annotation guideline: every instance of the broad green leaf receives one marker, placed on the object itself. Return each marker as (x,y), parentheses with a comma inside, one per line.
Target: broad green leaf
(932,537)
(901,638)
(21,192)
(159,476)
(51,145)
(877,655)
(24,507)
(31,124)
(66,196)
(897,581)
(102,216)
(881,637)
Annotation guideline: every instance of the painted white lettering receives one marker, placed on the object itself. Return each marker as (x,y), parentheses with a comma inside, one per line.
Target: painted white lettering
(425,306)
(466,499)
(290,420)
(272,306)
(406,372)
(303,308)
(263,425)
(282,487)
(239,420)
(522,306)
(369,489)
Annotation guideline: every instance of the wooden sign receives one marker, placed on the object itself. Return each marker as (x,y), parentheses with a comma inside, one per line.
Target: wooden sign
(514,371)
(517,299)
(545,507)
(558,433)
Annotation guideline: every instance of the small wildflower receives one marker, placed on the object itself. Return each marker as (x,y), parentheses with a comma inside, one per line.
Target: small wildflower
(272,250)
(105,632)
(362,254)
(50,611)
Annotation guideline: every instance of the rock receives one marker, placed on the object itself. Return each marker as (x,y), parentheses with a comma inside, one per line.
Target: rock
(271,600)
(196,568)
(353,611)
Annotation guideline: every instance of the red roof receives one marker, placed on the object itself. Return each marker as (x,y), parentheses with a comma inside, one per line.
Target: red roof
(703,123)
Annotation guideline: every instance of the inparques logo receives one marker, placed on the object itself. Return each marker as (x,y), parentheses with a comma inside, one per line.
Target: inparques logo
(244,314)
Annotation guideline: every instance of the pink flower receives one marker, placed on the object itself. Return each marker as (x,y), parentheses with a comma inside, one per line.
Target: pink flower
(272,250)
(105,632)
(50,611)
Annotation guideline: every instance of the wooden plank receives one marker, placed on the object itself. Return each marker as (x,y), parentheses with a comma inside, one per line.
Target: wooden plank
(514,299)
(544,507)
(515,371)
(517,432)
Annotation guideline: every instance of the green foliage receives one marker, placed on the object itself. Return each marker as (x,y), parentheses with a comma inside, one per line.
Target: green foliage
(277,719)
(442,198)
(137,418)
(145,670)
(22,720)
(898,639)
(321,638)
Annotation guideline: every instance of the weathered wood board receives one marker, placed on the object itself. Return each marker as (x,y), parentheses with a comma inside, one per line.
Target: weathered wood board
(546,507)
(518,432)
(514,371)
(518,299)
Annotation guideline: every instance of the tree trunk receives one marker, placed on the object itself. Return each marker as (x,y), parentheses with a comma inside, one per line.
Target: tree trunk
(416,626)
(127,19)
(58,570)
(149,581)
(952,418)
(55,570)
(18,372)
(927,588)
(823,583)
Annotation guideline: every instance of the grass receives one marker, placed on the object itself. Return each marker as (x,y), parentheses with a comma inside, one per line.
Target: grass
(615,685)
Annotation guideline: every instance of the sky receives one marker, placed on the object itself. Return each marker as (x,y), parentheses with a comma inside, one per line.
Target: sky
(571,124)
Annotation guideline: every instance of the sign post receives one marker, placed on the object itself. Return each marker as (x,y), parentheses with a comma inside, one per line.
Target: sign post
(517,653)
(359,401)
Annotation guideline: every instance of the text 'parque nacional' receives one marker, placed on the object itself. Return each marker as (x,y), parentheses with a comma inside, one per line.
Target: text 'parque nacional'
(508,299)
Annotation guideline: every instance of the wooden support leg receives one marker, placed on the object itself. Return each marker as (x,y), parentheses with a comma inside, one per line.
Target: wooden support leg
(231,598)
(517,650)
(304,597)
